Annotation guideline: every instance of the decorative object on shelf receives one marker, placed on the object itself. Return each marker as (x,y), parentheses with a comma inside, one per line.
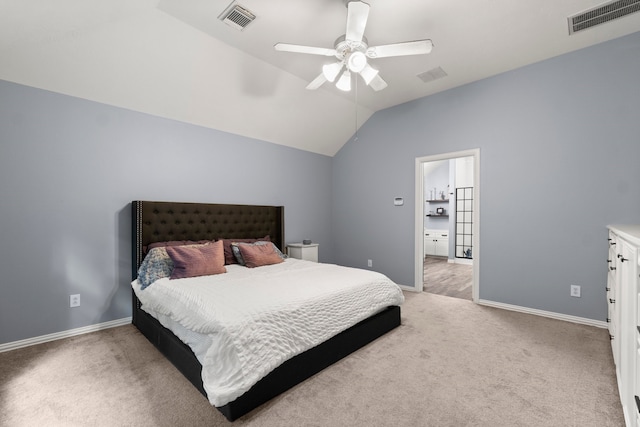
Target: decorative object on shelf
(440,211)
(442,196)
(306,242)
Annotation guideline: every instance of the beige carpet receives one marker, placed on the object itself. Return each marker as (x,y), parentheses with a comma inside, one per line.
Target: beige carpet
(451,363)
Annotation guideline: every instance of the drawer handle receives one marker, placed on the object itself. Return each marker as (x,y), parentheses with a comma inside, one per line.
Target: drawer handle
(612,268)
(612,243)
(623,259)
(612,301)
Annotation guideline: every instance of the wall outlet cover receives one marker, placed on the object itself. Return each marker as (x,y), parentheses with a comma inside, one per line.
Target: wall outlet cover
(74,300)
(575,291)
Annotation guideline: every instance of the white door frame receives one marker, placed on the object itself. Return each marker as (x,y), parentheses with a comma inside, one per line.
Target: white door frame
(419,219)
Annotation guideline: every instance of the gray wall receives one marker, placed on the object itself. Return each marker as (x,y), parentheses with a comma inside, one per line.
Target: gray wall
(69,169)
(559,160)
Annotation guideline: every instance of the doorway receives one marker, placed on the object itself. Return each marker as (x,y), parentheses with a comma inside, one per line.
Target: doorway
(447,222)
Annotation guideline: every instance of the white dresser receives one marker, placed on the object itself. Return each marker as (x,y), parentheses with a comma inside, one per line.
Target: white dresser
(623,299)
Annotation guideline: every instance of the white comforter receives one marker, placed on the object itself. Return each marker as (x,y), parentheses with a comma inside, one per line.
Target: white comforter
(253,320)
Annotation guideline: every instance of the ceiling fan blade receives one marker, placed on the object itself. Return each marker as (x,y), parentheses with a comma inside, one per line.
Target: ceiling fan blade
(377,83)
(317,82)
(357,15)
(417,47)
(296,48)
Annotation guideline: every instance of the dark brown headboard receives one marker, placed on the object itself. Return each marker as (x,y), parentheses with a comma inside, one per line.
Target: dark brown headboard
(164,221)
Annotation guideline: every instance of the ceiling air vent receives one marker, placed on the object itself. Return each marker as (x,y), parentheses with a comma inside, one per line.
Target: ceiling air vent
(237,16)
(433,74)
(604,13)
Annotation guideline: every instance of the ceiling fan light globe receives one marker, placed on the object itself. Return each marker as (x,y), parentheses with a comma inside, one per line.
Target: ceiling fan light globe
(368,73)
(331,71)
(357,62)
(344,83)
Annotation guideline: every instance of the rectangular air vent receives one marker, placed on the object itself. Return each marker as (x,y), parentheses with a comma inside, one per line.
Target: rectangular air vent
(433,74)
(604,13)
(237,16)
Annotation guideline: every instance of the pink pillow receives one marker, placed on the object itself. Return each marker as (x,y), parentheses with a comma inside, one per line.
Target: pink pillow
(259,255)
(147,249)
(229,258)
(196,260)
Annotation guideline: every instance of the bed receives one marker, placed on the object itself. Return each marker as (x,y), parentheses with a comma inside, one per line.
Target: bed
(176,221)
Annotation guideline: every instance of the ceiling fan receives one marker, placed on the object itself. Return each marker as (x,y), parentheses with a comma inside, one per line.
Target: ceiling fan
(353,52)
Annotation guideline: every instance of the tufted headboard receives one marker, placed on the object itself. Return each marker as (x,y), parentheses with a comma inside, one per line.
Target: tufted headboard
(164,221)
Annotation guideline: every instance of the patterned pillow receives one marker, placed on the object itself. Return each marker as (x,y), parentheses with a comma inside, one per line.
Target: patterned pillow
(266,248)
(156,265)
(197,260)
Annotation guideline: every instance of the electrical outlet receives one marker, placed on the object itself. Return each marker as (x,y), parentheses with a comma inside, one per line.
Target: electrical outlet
(74,300)
(369,263)
(575,291)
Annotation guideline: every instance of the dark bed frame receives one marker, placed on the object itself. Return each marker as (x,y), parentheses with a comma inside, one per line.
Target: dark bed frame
(166,221)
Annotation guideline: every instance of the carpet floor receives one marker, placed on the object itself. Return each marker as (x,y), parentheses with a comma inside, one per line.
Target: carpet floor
(450,363)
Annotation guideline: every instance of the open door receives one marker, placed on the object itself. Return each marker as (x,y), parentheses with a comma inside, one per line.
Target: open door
(471,213)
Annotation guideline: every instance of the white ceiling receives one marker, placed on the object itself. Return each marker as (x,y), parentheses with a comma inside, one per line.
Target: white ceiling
(175,59)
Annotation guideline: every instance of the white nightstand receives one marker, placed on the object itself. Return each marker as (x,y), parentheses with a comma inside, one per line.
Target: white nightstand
(300,251)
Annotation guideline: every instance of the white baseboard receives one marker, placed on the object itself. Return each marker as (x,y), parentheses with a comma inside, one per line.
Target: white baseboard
(64,334)
(550,314)
(465,261)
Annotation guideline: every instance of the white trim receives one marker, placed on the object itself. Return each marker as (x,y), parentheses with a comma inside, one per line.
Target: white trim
(419,215)
(464,261)
(550,314)
(418,279)
(64,334)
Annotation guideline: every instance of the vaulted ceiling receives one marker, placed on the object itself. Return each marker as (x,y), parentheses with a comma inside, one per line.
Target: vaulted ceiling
(176,59)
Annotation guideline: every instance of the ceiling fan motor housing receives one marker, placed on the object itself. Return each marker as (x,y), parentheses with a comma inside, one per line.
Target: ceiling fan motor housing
(352,53)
